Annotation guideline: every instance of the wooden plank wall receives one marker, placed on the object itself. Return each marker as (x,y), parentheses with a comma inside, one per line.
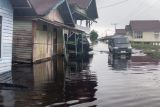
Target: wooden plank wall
(43,42)
(6,12)
(60,42)
(22,41)
(54,15)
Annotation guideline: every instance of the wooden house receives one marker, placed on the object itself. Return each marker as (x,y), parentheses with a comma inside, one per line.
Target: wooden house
(144,31)
(6,28)
(39,28)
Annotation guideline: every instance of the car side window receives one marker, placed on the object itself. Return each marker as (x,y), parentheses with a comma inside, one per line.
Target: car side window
(112,43)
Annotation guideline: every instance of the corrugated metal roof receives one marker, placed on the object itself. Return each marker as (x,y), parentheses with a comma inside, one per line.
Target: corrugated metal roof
(41,7)
(121,31)
(145,25)
(20,3)
(83,4)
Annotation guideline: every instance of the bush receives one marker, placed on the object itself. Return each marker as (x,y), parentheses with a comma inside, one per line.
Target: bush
(93,35)
(145,46)
(154,54)
(151,50)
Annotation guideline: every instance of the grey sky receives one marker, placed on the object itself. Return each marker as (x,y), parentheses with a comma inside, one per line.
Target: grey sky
(124,12)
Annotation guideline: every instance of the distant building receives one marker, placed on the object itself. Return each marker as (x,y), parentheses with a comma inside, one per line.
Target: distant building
(146,31)
(120,32)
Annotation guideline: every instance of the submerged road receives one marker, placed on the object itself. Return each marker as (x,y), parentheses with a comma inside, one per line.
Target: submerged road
(98,80)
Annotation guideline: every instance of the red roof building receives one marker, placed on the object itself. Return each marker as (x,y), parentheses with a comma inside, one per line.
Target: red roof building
(120,32)
(147,31)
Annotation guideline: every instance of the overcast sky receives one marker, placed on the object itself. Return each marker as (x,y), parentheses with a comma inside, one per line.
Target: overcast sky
(123,12)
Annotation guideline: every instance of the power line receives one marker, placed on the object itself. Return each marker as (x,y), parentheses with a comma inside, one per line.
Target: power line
(114,4)
(141,10)
(139,6)
(151,6)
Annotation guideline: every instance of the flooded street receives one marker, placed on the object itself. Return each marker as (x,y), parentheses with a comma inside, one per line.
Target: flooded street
(97,80)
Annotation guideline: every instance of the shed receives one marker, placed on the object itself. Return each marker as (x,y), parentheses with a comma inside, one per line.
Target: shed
(38,29)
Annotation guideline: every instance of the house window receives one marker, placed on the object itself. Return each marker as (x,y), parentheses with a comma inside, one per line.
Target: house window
(0,35)
(138,35)
(156,35)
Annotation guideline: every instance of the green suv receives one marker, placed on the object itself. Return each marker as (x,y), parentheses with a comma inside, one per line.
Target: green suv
(120,46)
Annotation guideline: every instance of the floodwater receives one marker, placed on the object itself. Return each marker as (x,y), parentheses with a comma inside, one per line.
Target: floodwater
(97,80)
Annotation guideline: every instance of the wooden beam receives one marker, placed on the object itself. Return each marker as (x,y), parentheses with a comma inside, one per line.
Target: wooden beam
(76,44)
(82,43)
(34,28)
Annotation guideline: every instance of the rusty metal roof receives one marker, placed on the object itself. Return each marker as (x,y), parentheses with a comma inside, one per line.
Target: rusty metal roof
(34,8)
(120,31)
(83,4)
(58,24)
(42,7)
(145,25)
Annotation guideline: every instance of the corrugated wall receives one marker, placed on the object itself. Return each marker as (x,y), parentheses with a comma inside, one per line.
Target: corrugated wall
(22,41)
(6,12)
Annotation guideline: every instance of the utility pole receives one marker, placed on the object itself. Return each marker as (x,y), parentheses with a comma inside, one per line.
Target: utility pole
(115,26)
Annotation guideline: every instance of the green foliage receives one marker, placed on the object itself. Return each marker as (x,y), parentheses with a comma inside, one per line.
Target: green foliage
(145,46)
(93,35)
(149,49)
(153,54)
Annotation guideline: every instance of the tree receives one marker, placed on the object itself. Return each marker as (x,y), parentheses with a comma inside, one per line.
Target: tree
(93,35)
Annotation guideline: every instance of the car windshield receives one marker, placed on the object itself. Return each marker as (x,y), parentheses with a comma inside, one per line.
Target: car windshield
(121,41)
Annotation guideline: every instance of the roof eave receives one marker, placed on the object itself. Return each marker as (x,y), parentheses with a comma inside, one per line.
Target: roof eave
(70,12)
(58,4)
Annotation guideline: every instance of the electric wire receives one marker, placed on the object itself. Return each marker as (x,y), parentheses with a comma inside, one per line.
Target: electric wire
(141,11)
(114,4)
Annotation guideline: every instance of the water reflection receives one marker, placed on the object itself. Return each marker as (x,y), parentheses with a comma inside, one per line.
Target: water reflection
(84,82)
(80,81)
(52,83)
(33,75)
(118,63)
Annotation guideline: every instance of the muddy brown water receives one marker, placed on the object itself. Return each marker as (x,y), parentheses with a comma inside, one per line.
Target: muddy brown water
(97,80)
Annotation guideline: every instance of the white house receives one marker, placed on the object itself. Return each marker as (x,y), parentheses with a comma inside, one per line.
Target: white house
(6,29)
(144,31)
